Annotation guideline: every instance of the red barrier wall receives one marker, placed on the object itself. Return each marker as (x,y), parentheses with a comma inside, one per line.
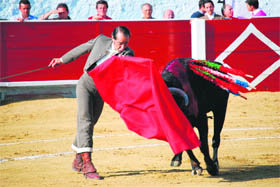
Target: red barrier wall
(31,45)
(251,45)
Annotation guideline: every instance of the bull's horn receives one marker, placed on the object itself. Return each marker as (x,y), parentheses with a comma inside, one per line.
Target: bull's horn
(181,93)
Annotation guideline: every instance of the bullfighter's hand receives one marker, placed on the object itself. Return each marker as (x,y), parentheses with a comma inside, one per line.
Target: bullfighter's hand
(55,62)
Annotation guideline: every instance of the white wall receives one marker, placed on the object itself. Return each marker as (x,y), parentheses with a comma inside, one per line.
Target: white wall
(130,9)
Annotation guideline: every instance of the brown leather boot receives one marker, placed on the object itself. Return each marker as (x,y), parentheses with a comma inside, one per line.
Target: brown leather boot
(88,168)
(77,164)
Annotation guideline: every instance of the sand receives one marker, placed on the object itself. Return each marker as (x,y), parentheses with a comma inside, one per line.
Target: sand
(36,137)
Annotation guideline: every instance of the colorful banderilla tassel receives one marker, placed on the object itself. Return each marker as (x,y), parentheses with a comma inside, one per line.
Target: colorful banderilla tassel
(221,67)
(227,77)
(227,86)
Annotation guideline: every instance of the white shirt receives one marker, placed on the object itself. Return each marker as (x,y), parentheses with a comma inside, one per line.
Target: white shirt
(30,17)
(210,16)
(111,52)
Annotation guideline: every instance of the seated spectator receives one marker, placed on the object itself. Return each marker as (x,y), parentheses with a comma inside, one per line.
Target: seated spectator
(210,14)
(24,8)
(253,6)
(227,12)
(61,10)
(101,9)
(201,10)
(147,10)
(168,14)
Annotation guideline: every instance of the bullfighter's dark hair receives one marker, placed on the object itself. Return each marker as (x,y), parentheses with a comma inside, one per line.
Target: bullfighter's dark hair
(121,29)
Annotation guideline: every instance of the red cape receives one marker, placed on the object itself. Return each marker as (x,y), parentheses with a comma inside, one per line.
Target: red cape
(133,87)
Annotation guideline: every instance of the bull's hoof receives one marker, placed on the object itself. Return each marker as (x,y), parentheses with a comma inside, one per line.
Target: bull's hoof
(213,169)
(176,163)
(197,170)
(176,160)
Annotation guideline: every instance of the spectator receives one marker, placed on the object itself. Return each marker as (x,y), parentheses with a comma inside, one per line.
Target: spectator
(168,14)
(253,6)
(147,10)
(201,10)
(227,11)
(61,10)
(101,9)
(90,104)
(210,14)
(24,8)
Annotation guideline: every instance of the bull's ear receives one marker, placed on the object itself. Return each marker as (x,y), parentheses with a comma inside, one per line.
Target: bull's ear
(179,92)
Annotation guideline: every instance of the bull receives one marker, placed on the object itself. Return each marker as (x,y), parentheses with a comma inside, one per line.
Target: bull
(196,96)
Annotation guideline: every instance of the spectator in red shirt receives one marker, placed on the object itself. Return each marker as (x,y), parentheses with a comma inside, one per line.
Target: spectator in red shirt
(101,9)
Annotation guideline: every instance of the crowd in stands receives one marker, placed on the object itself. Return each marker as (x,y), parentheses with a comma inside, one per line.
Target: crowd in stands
(206,11)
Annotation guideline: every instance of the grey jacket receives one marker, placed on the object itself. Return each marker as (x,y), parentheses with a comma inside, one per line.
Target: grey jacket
(97,47)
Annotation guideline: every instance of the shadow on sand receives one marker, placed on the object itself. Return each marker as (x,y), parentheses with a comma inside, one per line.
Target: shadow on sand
(240,174)
(144,172)
(249,173)
(23,98)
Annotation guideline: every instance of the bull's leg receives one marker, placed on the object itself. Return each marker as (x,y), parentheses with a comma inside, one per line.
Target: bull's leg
(219,118)
(203,133)
(176,160)
(196,169)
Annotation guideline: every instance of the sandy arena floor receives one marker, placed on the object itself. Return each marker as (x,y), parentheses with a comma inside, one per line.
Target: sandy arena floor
(36,137)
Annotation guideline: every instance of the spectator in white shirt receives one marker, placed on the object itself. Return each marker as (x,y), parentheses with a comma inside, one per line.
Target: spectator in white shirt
(24,8)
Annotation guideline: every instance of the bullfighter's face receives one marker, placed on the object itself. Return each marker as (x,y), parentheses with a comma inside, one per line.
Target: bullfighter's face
(121,41)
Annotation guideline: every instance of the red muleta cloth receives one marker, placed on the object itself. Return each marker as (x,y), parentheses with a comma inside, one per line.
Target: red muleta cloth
(134,87)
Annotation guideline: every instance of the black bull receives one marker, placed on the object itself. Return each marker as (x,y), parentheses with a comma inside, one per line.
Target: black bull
(204,97)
